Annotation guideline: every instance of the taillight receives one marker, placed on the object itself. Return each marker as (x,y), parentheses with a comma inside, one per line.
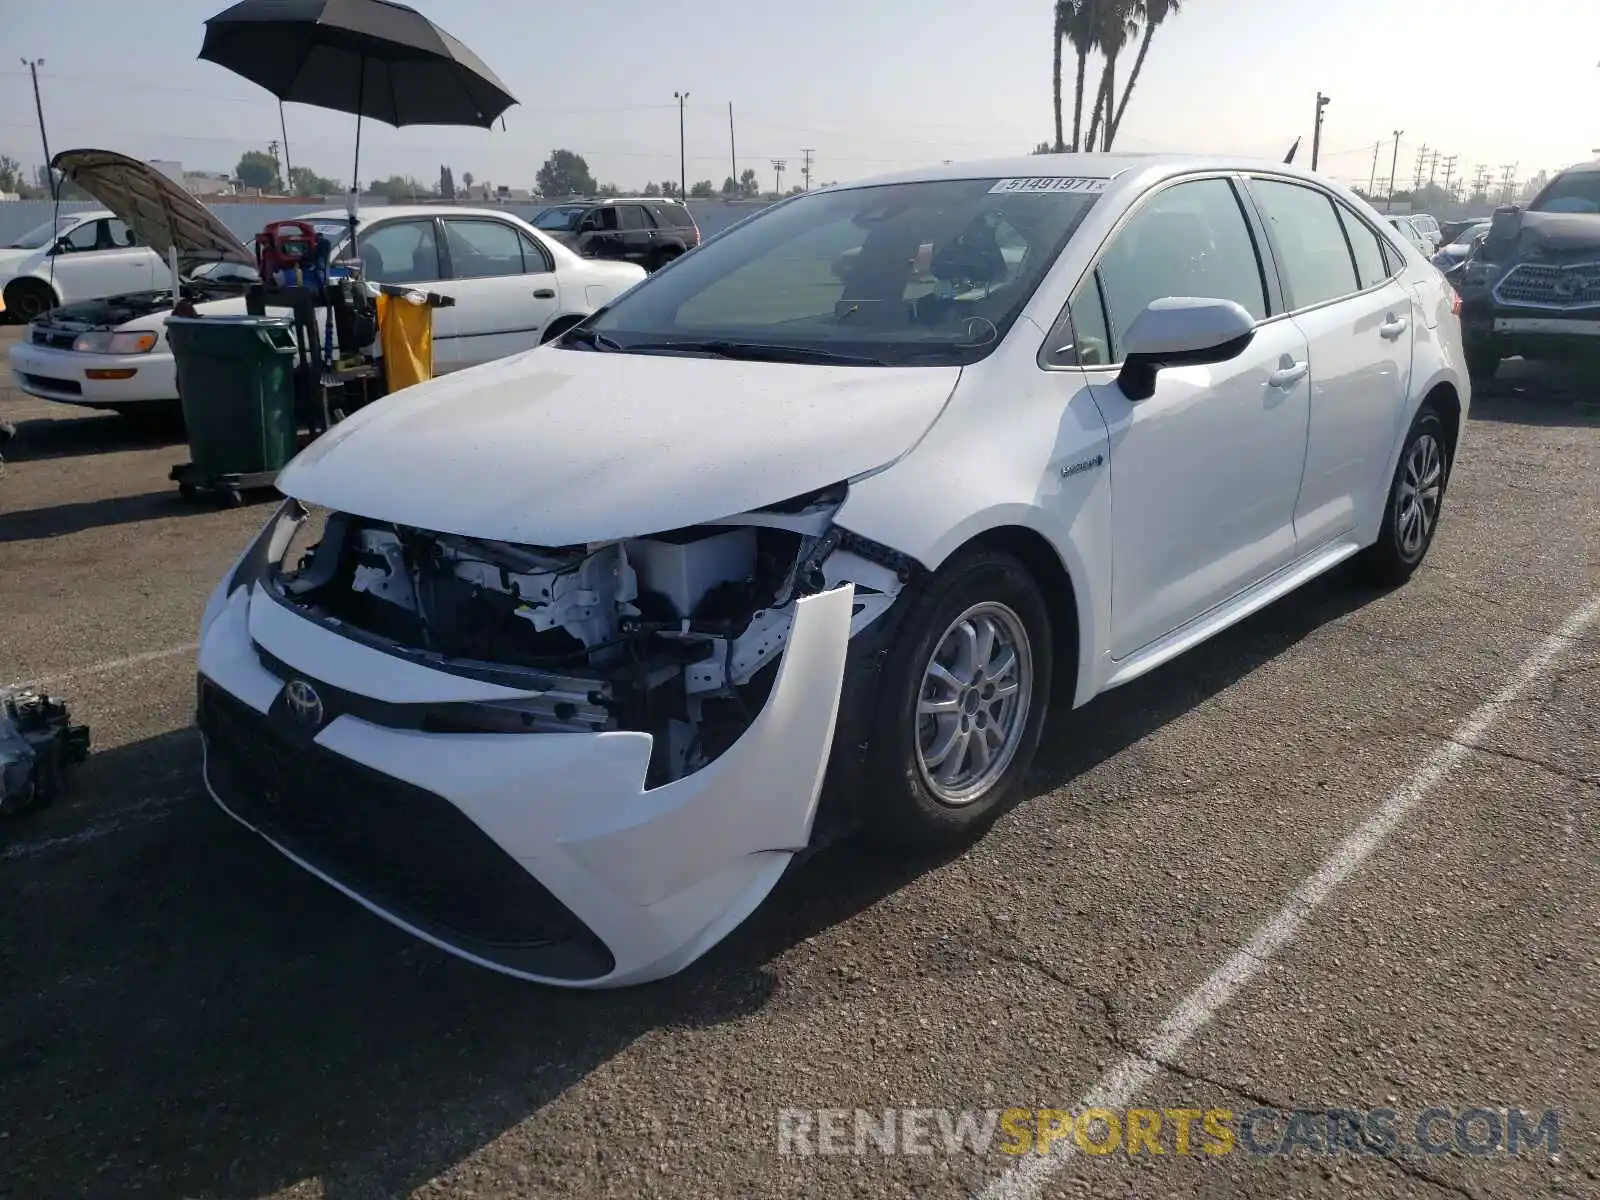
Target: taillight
(1455,302)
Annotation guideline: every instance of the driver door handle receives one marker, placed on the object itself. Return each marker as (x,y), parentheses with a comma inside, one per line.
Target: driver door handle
(1289,374)
(1392,326)
(544,293)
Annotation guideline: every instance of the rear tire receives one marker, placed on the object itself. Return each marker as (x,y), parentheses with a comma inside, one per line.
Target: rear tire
(959,705)
(1413,504)
(29,299)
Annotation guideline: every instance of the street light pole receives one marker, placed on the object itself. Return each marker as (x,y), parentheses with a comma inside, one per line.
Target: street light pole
(683,170)
(1316,136)
(1394,164)
(33,66)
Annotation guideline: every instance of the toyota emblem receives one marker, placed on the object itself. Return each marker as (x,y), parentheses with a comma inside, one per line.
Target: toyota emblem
(304,703)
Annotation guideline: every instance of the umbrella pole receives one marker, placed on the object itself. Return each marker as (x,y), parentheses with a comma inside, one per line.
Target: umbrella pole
(355,170)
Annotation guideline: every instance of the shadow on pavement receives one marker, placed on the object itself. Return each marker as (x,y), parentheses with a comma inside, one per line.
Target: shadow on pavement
(94,433)
(1527,393)
(61,519)
(188,1013)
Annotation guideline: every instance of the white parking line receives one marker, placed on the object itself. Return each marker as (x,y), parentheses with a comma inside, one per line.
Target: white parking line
(110,664)
(138,814)
(1123,1082)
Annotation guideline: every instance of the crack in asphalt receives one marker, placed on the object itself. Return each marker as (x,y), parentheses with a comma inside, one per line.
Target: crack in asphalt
(1119,1038)
(1404,1165)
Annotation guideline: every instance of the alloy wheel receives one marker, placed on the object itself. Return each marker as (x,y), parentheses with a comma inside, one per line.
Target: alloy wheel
(1417,498)
(972,708)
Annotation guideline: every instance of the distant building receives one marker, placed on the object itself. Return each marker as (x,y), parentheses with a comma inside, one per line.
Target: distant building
(196,183)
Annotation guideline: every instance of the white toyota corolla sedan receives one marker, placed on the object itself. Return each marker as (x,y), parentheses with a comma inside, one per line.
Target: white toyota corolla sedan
(558,662)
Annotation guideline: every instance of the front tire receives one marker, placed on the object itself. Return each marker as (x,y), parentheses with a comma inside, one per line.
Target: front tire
(1414,504)
(960,704)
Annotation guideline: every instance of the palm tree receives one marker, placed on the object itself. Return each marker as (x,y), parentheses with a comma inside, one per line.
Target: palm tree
(1059,31)
(1118,24)
(1080,23)
(1155,12)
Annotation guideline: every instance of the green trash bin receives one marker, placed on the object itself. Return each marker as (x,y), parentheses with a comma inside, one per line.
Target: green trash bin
(236,384)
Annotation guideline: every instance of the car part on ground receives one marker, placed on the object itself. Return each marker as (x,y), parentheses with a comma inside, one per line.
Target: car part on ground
(1531,287)
(38,742)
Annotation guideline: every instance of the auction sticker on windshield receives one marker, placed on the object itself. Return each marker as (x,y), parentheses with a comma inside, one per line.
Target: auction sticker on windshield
(1053,183)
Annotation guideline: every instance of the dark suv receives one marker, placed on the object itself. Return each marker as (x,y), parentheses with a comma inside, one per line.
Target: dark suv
(1531,287)
(647,230)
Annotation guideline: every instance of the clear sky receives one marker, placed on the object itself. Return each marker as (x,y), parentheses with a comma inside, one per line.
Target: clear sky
(870,85)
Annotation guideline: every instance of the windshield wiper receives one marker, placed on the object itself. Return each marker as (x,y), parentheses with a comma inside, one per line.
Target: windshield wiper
(585,336)
(757,352)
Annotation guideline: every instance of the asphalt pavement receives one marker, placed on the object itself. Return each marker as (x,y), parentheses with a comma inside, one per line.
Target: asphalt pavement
(1344,857)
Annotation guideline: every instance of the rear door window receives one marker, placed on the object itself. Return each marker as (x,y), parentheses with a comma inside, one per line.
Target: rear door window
(483,249)
(632,217)
(1316,259)
(1371,268)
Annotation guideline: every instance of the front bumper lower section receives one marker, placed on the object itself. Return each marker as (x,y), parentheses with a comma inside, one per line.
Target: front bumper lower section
(540,855)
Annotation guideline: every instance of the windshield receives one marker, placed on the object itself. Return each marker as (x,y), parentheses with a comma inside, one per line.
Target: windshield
(1578,192)
(44,235)
(559,218)
(910,273)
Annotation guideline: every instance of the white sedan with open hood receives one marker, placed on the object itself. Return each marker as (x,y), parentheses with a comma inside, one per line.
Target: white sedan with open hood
(513,286)
(558,663)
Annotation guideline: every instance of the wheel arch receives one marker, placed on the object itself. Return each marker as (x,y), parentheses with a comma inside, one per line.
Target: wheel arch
(25,281)
(1034,551)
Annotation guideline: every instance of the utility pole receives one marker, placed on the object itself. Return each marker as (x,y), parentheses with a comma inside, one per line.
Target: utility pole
(683,169)
(1433,168)
(33,66)
(1508,183)
(733,157)
(277,163)
(805,170)
(1316,135)
(778,164)
(1394,165)
(288,167)
(1422,158)
(1480,184)
(1449,173)
(1373,181)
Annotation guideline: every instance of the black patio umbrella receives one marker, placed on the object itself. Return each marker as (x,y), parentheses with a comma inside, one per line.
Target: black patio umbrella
(372,58)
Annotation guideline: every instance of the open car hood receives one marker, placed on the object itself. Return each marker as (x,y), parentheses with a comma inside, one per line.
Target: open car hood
(153,206)
(558,447)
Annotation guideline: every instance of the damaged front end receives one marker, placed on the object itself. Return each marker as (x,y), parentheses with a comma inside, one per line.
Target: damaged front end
(675,635)
(641,726)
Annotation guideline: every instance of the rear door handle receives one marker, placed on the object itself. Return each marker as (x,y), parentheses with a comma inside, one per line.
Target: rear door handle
(1287,377)
(1392,326)
(544,294)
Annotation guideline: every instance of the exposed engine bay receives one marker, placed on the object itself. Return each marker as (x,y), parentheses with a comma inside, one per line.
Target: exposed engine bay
(676,634)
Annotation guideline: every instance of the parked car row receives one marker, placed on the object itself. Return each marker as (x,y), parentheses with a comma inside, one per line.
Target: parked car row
(514,287)
(808,532)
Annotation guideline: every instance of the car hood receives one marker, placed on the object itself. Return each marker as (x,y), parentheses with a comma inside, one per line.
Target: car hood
(1519,235)
(559,447)
(153,206)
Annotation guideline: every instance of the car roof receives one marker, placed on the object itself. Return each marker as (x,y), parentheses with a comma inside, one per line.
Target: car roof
(376,211)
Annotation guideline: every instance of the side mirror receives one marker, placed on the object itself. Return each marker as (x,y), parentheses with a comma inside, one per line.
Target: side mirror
(1181,331)
(62,246)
